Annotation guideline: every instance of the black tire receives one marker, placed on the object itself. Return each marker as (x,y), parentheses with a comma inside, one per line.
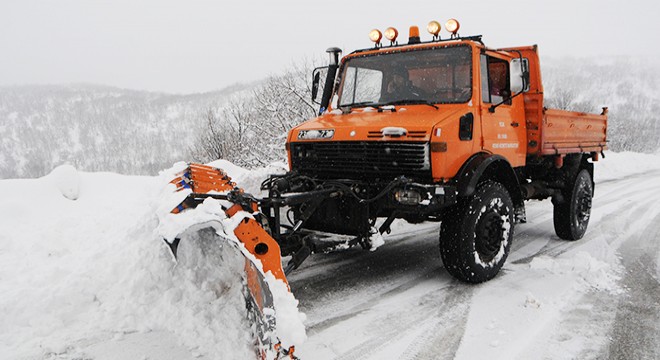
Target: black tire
(475,235)
(571,216)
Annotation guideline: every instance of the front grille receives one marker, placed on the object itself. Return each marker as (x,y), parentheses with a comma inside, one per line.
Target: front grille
(362,160)
(410,134)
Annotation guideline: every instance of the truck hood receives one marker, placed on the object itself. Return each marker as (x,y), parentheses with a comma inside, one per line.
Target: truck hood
(407,123)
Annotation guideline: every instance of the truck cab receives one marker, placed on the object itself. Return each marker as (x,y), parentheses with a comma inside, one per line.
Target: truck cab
(439,94)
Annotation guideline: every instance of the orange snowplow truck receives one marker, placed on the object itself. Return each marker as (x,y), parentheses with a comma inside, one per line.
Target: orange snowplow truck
(443,130)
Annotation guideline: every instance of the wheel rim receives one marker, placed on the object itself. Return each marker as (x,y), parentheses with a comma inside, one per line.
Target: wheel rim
(489,235)
(582,204)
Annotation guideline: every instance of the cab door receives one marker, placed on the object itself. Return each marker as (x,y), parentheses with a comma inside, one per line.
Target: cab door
(503,129)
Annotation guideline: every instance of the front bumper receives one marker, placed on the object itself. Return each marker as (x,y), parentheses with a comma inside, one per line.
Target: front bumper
(349,207)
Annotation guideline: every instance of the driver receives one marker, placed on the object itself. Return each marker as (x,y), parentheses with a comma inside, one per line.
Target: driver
(400,88)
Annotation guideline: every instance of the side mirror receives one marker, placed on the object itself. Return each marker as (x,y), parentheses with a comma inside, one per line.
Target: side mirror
(318,82)
(518,83)
(519,71)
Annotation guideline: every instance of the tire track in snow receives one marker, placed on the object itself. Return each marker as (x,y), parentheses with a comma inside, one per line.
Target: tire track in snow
(404,290)
(364,306)
(637,323)
(442,339)
(404,334)
(361,277)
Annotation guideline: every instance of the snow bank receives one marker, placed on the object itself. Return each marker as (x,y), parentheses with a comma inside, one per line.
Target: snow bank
(64,264)
(74,273)
(618,165)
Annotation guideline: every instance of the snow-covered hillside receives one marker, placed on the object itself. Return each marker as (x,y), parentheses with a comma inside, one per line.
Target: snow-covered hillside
(629,87)
(83,275)
(99,128)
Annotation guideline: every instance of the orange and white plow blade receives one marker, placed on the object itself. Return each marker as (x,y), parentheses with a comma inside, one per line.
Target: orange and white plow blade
(203,181)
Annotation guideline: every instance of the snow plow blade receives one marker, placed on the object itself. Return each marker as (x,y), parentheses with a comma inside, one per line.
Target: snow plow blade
(248,255)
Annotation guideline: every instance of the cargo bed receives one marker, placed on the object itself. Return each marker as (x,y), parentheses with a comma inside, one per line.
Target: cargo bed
(554,132)
(564,132)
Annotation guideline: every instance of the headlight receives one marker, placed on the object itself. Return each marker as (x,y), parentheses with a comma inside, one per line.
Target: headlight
(408,196)
(316,134)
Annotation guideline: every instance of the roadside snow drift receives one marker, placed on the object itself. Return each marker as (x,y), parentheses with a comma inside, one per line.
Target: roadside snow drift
(81,262)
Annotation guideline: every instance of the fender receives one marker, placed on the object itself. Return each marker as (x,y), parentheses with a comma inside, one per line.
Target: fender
(483,166)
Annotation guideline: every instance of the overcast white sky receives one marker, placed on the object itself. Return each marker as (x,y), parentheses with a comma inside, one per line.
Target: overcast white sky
(184,46)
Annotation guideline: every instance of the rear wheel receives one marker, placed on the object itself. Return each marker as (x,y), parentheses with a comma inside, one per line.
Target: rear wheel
(571,216)
(475,236)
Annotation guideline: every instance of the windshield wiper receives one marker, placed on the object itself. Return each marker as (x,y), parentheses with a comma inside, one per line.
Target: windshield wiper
(410,102)
(358,104)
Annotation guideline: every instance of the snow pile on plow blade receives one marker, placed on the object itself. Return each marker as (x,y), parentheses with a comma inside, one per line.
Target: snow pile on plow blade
(214,228)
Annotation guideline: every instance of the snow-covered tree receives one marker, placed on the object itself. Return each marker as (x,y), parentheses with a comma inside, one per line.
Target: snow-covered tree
(251,130)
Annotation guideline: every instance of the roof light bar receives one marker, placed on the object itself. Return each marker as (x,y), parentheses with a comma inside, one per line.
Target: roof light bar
(434,28)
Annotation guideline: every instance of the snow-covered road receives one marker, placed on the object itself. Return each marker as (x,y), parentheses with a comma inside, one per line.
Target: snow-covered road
(554,299)
(90,279)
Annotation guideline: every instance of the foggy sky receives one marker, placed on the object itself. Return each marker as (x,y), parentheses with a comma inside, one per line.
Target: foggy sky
(184,46)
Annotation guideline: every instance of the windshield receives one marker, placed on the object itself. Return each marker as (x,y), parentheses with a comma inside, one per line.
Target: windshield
(433,76)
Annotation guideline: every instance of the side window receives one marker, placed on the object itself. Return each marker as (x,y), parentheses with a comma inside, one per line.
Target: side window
(361,86)
(485,89)
(494,79)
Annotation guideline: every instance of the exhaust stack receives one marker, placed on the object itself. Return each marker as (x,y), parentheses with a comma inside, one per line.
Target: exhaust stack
(334,53)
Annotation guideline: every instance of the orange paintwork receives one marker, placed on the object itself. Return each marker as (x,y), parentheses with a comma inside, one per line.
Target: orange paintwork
(202,179)
(510,131)
(564,132)
(251,234)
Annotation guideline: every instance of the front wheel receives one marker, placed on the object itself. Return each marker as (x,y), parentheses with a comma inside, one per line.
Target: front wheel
(571,216)
(475,236)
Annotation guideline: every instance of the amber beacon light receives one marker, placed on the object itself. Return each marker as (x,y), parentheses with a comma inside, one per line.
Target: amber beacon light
(413,37)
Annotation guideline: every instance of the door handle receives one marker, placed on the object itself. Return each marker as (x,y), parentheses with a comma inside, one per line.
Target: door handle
(515,124)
